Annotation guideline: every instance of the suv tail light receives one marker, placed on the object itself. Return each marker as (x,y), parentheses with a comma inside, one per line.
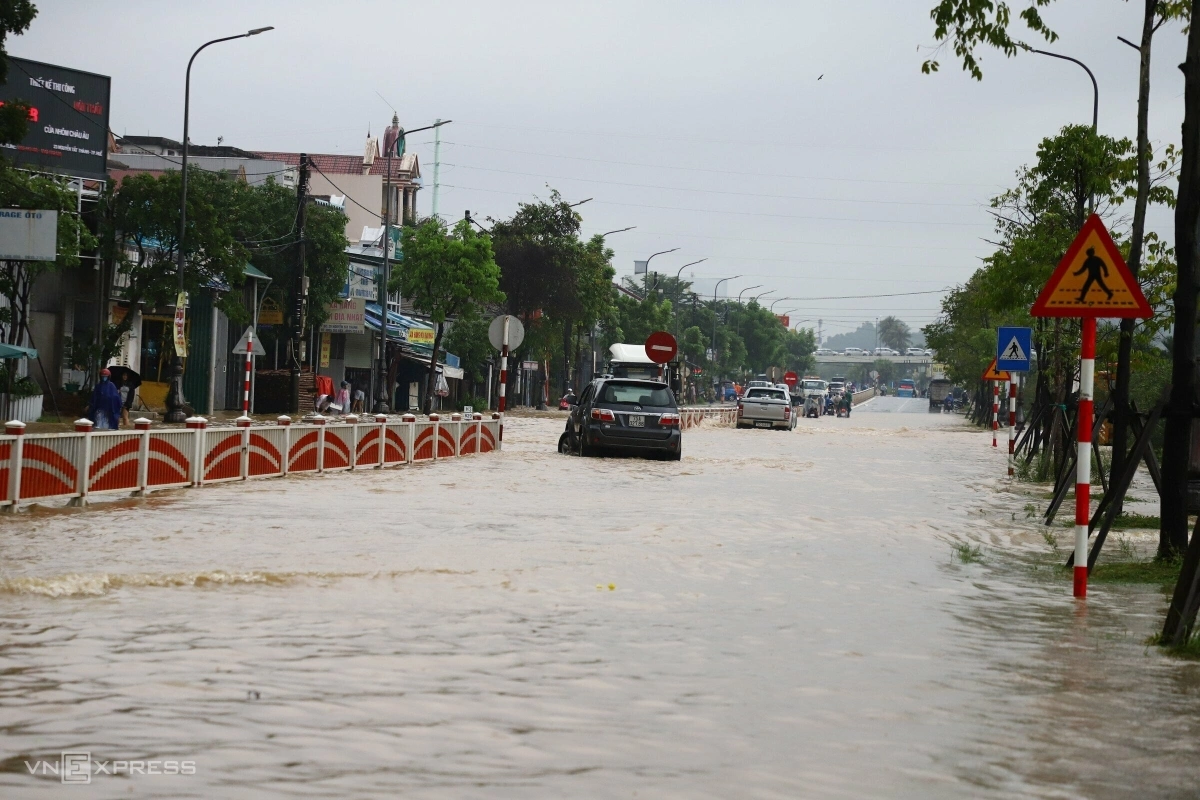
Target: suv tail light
(739,408)
(787,412)
(669,420)
(604,415)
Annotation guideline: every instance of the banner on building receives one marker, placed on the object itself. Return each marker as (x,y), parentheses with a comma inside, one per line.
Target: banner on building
(422,336)
(68,118)
(180,326)
(345,316)
(362,280)
(28,234)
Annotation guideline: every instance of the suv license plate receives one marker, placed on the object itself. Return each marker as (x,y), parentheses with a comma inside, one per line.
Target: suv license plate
(637,420)
(762,424)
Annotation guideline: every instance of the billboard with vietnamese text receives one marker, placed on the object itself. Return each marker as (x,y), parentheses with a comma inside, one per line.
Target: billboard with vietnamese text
(68,119)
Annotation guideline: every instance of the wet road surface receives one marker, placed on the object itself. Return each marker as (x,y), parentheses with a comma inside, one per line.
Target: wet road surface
(779,615)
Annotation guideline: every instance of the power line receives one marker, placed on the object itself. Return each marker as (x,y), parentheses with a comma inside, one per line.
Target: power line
(742,213)
(709,171)
(716,191)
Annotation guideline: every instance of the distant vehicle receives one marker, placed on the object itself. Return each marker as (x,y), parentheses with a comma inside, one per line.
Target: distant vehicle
(837,384)
(621,414)
(825,351)
(929,352)
(758,383)
(906,388)
(886,351)
(914,351)
(631,361)
(939,390)
(765,407)
(854,351)
(814,391)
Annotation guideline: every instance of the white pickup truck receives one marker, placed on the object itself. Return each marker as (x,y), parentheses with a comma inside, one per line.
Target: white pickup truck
(766,407)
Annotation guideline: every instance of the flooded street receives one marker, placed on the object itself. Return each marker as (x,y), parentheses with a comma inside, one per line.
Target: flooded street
(779,615)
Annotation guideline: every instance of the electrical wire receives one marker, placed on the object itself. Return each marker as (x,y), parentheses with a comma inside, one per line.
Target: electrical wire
(710,171)
(745,213)
(716,191)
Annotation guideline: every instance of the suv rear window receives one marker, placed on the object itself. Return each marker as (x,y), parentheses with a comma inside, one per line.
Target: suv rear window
(766,394)
(636,394)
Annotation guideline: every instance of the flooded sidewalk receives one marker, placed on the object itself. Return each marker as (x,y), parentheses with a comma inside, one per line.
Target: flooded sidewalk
(778,615)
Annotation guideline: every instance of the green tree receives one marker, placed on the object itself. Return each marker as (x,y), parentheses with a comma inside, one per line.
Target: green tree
(894,333)
(446,273)
(468,339)
(15,18)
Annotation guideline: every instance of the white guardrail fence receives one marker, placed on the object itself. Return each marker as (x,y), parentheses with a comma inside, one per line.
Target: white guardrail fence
(76,465)
(691,417)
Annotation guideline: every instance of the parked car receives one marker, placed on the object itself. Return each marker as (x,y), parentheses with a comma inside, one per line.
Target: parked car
(915,351)
(624,415)
(854,351)
(765,407)
(886,351)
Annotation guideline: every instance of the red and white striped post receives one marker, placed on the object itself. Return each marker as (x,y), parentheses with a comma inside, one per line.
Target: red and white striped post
(246,380)
(1083,454)
(995,410)
(503,380)
(1012,423)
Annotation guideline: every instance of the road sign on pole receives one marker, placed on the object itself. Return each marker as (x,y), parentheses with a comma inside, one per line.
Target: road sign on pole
(1013,348)
(791,379)
(516,333)
(1092,280)
(661,347)
(993,374)
(240,347)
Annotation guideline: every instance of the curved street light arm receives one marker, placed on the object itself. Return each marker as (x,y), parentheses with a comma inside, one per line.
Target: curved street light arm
(1095,86)
(685,266)
(748,288)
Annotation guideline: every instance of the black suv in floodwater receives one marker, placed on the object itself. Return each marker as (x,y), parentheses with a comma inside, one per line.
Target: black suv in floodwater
(622,414)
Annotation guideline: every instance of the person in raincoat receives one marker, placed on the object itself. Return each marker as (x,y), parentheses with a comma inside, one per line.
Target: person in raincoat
(105,409)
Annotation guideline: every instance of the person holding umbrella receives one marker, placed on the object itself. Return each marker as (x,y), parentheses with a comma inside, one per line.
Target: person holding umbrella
(105,408)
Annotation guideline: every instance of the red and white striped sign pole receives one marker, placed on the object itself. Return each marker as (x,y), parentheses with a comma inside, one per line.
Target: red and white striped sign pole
(1083,454)
(995,410)
(1012,423)
(249,362)
(503,380)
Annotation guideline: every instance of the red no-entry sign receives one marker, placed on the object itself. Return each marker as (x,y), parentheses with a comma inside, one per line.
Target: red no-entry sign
(661,347)
(790,378)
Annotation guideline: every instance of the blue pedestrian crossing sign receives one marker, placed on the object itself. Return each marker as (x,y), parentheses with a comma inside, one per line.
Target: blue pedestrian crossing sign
(1013,349)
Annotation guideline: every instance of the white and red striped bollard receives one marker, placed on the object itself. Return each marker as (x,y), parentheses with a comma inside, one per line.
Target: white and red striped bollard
(995,410)
(1012,423)
(249,362)
(1083,454)
(503,382)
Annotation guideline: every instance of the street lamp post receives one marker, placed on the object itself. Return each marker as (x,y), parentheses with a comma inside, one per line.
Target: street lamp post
(647,263)
(175,399)
(748,288)
(394,143)
(764,294)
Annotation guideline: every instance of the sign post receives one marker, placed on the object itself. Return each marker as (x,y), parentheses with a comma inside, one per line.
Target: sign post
(996,377)
(504,332)
(1014,346)
(1091,281)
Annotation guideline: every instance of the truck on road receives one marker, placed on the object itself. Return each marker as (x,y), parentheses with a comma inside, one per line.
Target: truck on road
(765,407)
(939,389)
(813,391)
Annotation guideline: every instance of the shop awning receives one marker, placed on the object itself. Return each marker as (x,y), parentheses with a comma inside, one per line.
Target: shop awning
(13,351)
(258,275)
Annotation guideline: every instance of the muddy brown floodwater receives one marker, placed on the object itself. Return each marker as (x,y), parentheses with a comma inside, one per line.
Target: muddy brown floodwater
(779,615)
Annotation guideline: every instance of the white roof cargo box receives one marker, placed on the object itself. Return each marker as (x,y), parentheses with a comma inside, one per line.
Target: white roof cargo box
(629,354)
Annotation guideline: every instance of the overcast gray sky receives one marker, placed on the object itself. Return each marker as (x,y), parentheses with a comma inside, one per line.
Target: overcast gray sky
(702,123)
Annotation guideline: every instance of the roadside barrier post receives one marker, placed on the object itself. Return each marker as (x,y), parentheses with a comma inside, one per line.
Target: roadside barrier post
(285,422)
(503,382)
(1012,423)
(1083,456)
(352,421)
(84,426)
(436,420)
(381,421)
(197,424)
(995,410)
(243,422)
(142,426)
(15,428)
(319,421)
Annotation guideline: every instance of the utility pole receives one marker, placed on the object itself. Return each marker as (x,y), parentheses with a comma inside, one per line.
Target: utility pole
(820,325)
(437,163)
(300,288)
(396,134)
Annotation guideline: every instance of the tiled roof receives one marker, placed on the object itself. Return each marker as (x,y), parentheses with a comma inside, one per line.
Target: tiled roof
(403,168)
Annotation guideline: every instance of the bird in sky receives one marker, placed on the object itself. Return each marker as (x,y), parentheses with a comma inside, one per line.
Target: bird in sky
(822,75)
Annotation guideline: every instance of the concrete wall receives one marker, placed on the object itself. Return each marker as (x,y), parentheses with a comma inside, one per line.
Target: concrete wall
(365,189)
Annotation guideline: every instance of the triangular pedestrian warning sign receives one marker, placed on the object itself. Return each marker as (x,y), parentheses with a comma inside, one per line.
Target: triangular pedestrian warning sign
(240,347)
(1092,280)
(993,374)
(1013,351)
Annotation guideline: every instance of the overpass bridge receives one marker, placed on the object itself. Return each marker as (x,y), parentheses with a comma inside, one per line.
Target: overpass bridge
(914,361)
